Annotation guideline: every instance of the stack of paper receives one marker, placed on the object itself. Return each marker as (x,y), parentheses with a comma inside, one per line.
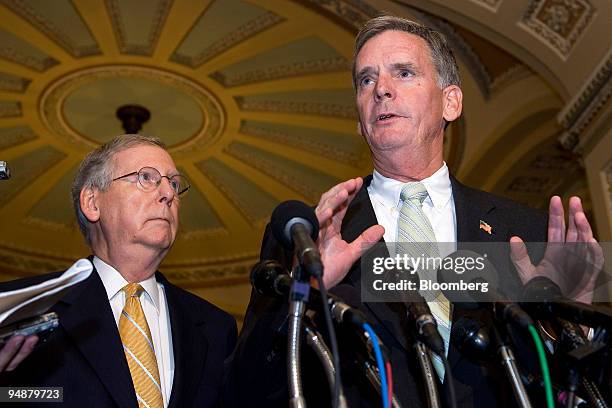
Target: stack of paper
(35,300)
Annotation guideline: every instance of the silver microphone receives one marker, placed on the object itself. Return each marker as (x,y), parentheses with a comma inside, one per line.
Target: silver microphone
(5,173)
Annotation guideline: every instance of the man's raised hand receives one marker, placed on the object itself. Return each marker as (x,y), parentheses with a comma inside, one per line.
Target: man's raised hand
(338,255)
(573,257)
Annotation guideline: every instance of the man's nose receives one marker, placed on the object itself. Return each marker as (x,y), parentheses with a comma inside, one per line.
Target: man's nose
(165,190)
(384,89)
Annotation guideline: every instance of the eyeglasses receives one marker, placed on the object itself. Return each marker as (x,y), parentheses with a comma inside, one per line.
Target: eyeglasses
(150,179)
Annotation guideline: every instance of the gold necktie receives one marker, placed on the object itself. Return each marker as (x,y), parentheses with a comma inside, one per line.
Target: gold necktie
(138,347)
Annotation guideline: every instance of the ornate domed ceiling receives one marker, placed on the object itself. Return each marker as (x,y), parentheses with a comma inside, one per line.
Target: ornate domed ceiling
(253,99)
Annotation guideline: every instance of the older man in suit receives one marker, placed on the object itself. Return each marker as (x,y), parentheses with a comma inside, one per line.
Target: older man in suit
(127,336)
(407,90)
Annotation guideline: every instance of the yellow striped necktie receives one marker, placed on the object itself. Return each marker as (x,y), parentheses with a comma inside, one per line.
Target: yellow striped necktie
(416,237)
(139,352)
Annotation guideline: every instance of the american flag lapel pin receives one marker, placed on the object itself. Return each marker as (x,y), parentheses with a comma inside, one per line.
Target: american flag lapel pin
(486,227)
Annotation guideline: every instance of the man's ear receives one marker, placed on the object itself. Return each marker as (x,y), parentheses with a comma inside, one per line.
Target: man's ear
(453,102)
(88,200)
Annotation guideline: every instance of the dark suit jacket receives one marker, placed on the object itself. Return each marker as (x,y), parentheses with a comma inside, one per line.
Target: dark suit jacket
(85,356)
(262,340)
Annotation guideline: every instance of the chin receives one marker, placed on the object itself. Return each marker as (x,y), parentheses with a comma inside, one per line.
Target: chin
(162,241)
(387,142)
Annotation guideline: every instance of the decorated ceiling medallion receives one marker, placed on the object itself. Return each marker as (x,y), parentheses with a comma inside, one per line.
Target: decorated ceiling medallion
(81,107)
(559,23)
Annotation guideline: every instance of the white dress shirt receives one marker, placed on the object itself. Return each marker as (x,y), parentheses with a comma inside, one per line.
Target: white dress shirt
(155,307)
(439,206)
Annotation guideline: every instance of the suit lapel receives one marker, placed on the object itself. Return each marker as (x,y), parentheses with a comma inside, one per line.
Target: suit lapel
(471,210)
(360,216)
(86,316)
(188,347)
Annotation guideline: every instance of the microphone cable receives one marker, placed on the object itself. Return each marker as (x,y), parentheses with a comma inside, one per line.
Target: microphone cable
(389,383)
(550,401)
(332,342)
(449,378)
(385,387)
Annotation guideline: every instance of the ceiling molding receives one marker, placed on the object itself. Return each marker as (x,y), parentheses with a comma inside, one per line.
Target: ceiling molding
(579,113)
(34,13)
(13,83)
(123,20)
(558,23)
(248,28)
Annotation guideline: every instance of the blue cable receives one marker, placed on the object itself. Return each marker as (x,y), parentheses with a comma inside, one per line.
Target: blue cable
(380,363)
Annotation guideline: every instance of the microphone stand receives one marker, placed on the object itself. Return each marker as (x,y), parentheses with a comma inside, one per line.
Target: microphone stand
(578,361)
(315,341)
(297,306)
(374,379)
(422,351)
(424,359)
(509,364)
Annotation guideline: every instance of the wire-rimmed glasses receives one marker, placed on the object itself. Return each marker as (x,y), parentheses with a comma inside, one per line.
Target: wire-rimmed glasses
(150,178)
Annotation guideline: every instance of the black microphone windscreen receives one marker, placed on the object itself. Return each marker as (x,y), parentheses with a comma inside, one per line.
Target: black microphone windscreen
(287,211)
(470,336)
(264,274)
(541,289)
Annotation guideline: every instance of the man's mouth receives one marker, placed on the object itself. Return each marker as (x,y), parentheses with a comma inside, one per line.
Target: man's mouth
(385,116)
(160,219)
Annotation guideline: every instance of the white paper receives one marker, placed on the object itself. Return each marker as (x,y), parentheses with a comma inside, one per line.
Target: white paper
(35,300)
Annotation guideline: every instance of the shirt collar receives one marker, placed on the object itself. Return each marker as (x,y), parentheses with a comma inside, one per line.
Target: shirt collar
(113,282)
(438,187)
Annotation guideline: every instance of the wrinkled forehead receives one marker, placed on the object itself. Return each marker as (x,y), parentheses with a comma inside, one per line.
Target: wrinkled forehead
(394,41)
(393,47)
(136,157)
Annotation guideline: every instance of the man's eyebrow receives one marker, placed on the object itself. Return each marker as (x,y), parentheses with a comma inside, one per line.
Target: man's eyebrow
(408,66)
(365,71)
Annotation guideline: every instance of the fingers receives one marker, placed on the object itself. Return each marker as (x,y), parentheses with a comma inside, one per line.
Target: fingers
(348,186)
(340,256)
(584,232)
(366,240)
(26,349)
(9,350)
(520,259)
(337,198)
(575,206)
(594,251)
(356,187)
(556,220)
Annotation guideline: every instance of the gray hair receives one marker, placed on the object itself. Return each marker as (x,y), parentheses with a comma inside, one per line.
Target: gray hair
(96,171)
(441,54)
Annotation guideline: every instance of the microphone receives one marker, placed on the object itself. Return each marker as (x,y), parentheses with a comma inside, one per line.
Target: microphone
(269,278)
(417,310)
(544,298)
(5,173)
(426,325)
(295,225)
(471,337)
(343,310)
(503,308)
